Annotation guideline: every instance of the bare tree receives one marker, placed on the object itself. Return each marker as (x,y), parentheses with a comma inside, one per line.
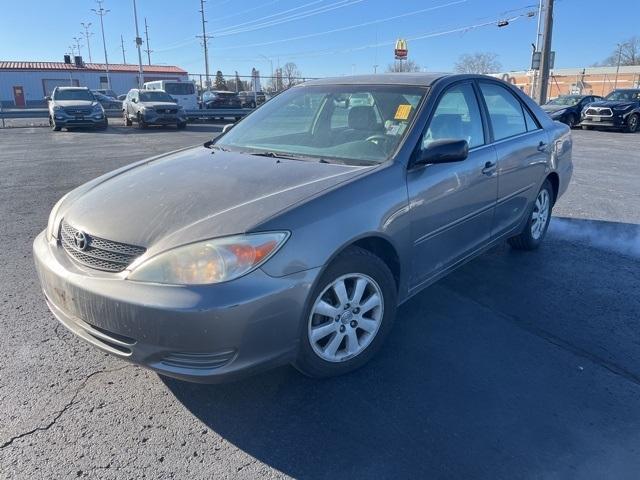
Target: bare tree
(290,74)
(403,66)
(629,52)
(479,62)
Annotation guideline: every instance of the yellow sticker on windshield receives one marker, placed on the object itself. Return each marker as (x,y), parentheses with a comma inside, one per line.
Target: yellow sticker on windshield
(402,113)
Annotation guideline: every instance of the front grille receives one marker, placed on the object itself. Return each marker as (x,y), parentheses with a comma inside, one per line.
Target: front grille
(167,110)
(602,112)
(97,252)
(77,110)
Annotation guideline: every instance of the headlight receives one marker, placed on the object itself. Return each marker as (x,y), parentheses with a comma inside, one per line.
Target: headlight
(57,108)
(52,225)
(212,261)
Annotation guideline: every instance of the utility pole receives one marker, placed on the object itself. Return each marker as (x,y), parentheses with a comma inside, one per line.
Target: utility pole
(205,39)
(375,68)
(615,84)
(138,44)
(101,12)
(146,34)
(124,58)
(77,40)
(545,61)
(86,36)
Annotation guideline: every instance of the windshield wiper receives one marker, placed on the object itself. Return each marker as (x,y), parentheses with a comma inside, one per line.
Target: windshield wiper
(278,155)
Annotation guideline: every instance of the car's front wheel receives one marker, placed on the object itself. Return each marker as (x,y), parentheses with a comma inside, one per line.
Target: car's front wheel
(350,313)
(572,120)
(125,119)
(633,123)
(536,227)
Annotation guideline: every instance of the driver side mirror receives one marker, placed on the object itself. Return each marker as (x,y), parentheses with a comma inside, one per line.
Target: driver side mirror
(443,151)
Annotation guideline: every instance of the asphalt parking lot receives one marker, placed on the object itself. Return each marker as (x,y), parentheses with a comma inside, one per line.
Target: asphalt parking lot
(518,365)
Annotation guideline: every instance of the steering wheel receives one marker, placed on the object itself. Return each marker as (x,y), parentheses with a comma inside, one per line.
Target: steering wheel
(377,138)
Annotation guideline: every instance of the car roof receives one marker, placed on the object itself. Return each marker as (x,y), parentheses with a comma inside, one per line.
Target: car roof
(72,88)
(416,79)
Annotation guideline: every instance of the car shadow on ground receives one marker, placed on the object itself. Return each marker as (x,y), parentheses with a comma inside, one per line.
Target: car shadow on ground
(116,129)
(502,369)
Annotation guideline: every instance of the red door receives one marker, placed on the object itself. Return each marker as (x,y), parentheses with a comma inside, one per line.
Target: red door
(18,96)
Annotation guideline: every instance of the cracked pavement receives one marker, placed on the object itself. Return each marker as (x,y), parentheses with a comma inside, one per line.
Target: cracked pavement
(518,365)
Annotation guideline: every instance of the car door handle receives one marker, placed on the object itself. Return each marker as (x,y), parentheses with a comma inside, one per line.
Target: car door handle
(489,168)
(542,146)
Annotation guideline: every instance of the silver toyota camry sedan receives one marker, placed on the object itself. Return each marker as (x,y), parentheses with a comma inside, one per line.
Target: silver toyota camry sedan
(294,236)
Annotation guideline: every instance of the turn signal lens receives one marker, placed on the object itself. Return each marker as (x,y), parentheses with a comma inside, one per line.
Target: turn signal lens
(212,261)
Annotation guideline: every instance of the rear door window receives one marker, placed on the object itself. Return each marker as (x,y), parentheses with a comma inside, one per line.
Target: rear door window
(505,111)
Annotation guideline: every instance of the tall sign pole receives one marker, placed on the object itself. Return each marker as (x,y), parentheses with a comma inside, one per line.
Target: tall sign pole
(545,60)
(139,45)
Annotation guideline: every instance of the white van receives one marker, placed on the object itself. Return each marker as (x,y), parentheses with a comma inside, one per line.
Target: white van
(182,92)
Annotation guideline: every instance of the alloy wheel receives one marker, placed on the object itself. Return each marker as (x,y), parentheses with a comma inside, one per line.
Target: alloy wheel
(345,317)
(540,215)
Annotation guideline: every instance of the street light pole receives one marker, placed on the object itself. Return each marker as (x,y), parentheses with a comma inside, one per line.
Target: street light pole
(77,40)
(138,44)
(101,12)
(86,36)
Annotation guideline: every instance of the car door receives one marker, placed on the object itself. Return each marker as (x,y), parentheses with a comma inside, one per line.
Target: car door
(451,204)
(523,152)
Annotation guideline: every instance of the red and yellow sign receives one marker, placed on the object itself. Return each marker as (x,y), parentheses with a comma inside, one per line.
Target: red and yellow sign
(401,50)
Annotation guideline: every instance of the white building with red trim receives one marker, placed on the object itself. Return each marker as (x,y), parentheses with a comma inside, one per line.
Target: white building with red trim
(27,83)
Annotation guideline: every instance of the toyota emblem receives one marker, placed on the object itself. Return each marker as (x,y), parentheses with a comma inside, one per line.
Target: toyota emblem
(80,240)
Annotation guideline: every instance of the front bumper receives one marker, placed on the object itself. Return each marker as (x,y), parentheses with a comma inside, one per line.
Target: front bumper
(615,121)
(62,119)
(151,117)
(208,333)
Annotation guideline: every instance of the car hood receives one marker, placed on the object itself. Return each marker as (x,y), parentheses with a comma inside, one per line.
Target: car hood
(196,194)
(159,104)
(611,103)
(75,103)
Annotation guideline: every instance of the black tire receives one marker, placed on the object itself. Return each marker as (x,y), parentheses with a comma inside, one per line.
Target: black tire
(526,240)
(572,120)
(181,125)
(252,105)
(633,123)
(141,123)
(587,127)
(126,120)
(104,125)
(52,124)
(354,260)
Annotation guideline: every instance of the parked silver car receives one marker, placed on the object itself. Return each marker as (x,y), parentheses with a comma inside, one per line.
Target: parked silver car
(152,107)
(294,236)
(75,107)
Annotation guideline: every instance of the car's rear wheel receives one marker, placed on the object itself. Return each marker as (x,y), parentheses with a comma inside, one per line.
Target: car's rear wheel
(181,125)
(633,123)
(126,120)
(536,228)
(351,311)
(572,120)
(141,122)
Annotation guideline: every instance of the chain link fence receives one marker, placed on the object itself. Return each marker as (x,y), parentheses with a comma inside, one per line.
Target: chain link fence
(235,82)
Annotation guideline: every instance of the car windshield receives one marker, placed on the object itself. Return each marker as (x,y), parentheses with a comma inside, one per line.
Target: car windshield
(179,88)
(74,94)
(322,122)
(623,95)
(565,101)
(155,96)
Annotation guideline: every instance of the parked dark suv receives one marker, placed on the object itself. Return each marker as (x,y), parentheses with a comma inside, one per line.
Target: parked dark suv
(620,109)
(251,99)
(220,99)
(567,108)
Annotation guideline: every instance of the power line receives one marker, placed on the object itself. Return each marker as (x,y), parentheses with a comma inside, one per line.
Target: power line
(241,12)
(349,27)
(291,18)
